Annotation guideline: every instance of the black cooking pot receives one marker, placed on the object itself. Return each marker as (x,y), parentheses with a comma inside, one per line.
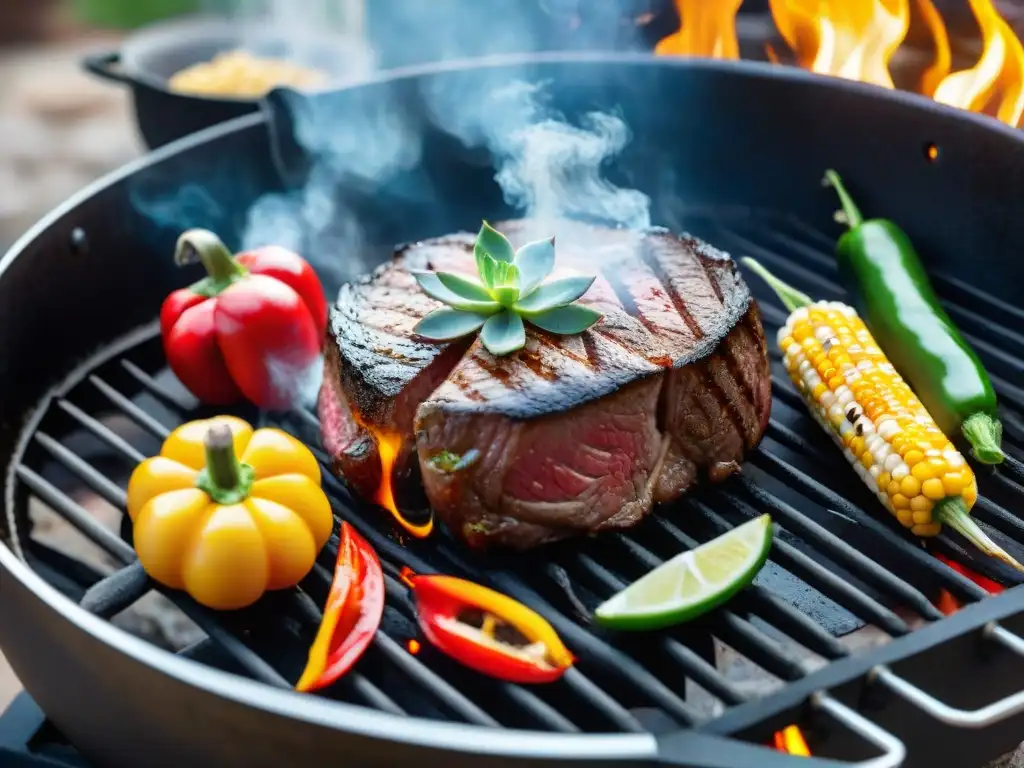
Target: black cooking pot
(149,57)
(742,141)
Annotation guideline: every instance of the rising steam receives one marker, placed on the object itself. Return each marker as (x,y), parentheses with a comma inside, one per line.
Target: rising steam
(547,166)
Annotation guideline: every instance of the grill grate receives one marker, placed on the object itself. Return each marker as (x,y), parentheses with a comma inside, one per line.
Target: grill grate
(116,410)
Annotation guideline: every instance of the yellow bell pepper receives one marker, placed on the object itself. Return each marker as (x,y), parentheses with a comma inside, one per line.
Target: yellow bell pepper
(226,513)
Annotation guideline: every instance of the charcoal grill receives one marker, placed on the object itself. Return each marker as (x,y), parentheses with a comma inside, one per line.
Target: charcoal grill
(729,151)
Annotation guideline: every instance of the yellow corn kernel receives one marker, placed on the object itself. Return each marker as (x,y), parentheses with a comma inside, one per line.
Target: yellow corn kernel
(913,456)
(954,483)
(921,504)
(922,518)
(883,481)
(932,488)
(924,470)
(910,486)
(970,493)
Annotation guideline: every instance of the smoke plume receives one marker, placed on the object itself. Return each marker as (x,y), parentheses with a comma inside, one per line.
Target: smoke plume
(546,165)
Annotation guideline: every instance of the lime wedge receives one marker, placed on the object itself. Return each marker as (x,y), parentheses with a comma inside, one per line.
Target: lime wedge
(691,583)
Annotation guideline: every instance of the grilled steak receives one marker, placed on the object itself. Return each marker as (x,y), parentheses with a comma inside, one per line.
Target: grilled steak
(570,434)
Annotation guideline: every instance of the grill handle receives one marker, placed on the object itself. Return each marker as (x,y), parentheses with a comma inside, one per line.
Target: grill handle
(701,750)
(960,718)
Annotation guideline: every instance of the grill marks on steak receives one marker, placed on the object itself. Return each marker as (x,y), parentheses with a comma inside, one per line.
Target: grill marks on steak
(383,373)
(576,433)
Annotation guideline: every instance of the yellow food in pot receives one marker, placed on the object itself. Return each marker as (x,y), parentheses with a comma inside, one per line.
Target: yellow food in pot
(240,74)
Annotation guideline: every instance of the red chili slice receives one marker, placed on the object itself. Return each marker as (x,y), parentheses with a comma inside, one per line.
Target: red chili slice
(352,615)
(442,605)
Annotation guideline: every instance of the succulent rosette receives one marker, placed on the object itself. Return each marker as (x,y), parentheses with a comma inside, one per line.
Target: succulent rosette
(511,289)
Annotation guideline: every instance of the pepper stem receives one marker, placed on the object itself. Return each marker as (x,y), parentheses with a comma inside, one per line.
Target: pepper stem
(952,511)
(851,213)
(224,479)
(788,295)
(985,434)
(204,246)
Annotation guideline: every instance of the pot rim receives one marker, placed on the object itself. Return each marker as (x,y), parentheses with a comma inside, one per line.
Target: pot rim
(185,31)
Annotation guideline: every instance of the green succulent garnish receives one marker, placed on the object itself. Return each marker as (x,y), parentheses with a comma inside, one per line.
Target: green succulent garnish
(509,289)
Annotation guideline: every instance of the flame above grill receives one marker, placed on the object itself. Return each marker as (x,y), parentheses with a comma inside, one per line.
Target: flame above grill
(857,39)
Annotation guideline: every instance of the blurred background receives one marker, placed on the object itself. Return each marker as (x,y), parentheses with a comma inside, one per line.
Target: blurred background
(62,128)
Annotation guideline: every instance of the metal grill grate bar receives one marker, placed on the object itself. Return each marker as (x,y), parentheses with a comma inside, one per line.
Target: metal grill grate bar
(860,563)
(831,585)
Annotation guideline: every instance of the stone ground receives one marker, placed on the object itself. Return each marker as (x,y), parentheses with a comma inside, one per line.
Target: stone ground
(60,130)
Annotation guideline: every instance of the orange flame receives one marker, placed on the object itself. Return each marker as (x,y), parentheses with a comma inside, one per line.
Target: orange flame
(707,29)
(857,39)
(939,68)
(998,74)
(791,741)
(389,443)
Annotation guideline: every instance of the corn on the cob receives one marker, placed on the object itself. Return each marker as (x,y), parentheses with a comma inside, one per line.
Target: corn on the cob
(856,395)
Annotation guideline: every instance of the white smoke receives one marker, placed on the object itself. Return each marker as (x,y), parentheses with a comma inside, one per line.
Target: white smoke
(553,170)
(300,385)
(547,165)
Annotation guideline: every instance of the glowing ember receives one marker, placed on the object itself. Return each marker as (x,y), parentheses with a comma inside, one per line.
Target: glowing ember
(407,575)
(857,39)
(949,604)
(413,646)
(791,741)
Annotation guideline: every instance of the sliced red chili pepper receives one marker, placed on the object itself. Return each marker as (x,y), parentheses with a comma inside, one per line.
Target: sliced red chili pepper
(488,631)
(352,615)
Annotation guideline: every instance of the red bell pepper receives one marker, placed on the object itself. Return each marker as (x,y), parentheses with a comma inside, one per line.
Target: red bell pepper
(488,631)
(253,327)
(352,615)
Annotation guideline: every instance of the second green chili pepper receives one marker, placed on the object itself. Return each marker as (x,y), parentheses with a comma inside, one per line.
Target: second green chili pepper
(892,292)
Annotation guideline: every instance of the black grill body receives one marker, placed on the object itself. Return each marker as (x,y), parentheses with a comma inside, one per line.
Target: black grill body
(731,152)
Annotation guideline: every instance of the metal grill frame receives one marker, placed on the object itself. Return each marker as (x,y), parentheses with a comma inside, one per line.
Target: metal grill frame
(956,638)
